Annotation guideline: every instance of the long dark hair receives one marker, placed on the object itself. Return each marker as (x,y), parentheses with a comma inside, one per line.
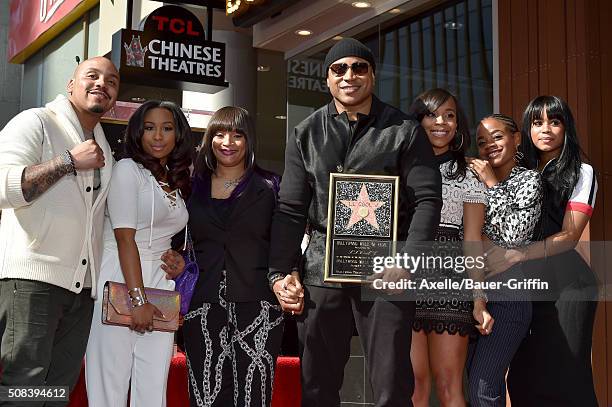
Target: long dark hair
(428,102)
(567,167)
(179,159)
(228,118)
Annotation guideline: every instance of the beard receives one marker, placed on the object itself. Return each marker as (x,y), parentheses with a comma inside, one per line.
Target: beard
(96,109)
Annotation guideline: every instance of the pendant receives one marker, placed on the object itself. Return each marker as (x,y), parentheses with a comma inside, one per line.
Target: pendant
(231,183)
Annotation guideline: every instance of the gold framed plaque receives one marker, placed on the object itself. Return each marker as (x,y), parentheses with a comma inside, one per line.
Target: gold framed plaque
(361,225)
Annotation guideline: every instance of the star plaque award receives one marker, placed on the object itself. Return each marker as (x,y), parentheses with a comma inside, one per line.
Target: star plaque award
(361,225)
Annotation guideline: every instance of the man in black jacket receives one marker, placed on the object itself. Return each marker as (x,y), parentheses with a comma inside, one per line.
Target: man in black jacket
(355,133)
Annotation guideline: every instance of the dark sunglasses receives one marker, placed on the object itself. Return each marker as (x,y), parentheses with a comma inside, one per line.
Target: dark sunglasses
(358,68)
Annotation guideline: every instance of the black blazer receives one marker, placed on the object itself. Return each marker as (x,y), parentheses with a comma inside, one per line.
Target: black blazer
(238,242)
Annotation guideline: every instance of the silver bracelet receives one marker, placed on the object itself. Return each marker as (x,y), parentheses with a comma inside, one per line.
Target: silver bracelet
(480,295)
(138,297)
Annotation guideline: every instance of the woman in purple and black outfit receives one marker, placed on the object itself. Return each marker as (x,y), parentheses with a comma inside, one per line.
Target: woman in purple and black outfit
(234,327)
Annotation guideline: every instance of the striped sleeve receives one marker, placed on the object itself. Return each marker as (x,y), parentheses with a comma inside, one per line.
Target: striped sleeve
(584,193)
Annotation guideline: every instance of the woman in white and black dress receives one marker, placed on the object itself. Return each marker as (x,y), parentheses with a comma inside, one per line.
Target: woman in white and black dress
(445,320)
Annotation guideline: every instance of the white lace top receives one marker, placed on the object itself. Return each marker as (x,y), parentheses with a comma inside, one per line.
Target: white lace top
(455,192)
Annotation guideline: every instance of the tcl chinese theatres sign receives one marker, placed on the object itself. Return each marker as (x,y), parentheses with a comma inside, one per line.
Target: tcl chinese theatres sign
(33,23)
(170,52)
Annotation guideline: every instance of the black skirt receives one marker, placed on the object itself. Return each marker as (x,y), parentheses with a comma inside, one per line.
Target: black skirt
(448,311)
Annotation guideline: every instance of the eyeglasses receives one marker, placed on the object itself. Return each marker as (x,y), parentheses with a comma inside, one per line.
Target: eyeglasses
(358,68)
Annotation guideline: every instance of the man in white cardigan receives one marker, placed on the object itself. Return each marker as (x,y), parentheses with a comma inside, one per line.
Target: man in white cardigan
(55,168)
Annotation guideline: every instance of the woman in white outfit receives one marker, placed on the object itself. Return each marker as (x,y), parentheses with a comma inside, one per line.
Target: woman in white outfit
(145,209)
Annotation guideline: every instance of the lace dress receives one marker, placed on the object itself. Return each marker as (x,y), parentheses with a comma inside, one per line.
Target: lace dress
(449,311)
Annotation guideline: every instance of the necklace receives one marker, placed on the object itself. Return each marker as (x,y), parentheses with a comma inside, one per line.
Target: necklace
(233,183)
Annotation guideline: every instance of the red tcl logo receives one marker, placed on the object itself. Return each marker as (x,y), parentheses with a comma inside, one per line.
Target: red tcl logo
(175,25)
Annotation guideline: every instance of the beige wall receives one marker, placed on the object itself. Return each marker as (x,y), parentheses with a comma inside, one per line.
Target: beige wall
(112,19)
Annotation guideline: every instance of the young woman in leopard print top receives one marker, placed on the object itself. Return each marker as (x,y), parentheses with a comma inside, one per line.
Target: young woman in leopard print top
(514,200)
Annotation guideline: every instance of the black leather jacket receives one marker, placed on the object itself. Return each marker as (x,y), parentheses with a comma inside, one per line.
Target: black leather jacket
(385,142)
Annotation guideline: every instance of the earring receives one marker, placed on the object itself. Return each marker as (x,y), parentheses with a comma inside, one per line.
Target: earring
(251,160)
(460,144)
(519,157)
(208,164)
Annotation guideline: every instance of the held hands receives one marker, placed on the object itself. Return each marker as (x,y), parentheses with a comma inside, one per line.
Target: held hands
(87,155)
(290,293)
(173,265)
(142,317)
(482,170)
(485,320)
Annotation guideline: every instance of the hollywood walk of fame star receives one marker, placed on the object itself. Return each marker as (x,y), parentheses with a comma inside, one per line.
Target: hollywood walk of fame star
(363,208)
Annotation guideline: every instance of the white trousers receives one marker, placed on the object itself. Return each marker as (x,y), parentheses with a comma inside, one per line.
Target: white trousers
(115,354)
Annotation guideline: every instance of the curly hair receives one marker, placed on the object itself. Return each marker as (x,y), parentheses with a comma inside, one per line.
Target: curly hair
(176,171)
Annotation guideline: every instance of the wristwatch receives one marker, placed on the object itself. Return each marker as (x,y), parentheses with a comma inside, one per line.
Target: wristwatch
(274,278)
(68,161)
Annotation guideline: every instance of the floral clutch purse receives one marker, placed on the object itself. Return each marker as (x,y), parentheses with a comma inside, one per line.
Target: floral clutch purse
(117,309)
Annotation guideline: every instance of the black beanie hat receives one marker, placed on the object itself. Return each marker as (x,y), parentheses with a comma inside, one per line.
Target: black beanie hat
(349,47)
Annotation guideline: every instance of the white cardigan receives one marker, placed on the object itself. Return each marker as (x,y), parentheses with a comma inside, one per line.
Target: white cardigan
(54,237)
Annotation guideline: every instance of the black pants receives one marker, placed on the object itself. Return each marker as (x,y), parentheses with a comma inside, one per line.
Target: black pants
(490,356)
(43,335)
(325,330)
(231,350)
(553,364)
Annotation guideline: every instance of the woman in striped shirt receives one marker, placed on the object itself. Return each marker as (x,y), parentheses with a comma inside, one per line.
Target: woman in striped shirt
(563,316)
